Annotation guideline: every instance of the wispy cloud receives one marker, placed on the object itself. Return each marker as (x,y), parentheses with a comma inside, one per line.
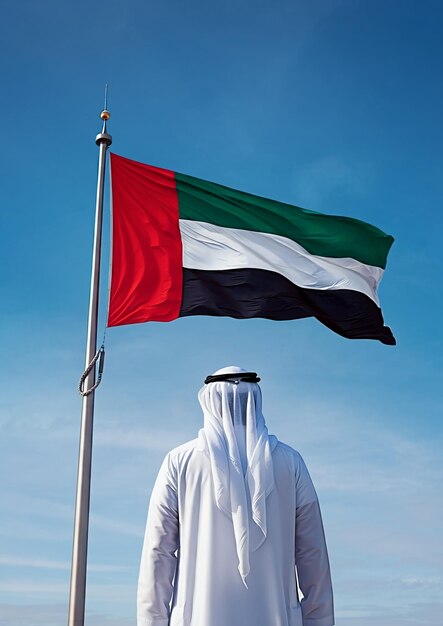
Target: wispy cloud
(32,588)
(48,510)
(52,615)
(144,439)
(116,526)
(25,562)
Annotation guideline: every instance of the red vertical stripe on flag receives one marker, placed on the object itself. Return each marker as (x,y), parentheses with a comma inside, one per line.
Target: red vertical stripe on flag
(147,276)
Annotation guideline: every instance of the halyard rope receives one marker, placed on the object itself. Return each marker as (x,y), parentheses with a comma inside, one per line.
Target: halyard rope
(99,355)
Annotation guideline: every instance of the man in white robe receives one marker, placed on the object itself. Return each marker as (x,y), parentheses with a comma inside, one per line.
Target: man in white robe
(233,519)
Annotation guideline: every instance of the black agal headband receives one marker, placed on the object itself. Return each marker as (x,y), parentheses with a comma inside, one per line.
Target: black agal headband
(236,377)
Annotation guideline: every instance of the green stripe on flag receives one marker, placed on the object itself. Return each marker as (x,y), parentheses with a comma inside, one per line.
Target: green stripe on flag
(319,234)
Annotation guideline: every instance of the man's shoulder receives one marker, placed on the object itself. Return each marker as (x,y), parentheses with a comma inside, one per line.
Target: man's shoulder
(287,449)
(289,455)
(178,460)
(184,449)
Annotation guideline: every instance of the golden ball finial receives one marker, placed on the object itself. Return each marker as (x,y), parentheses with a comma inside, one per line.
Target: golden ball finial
(105,115)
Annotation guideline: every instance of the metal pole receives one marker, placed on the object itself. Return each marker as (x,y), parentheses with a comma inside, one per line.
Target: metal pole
(80,541)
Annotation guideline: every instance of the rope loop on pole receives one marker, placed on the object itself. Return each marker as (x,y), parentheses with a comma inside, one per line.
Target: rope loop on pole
(99,356)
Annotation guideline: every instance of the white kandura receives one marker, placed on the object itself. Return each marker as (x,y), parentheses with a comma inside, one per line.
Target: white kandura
(233,516)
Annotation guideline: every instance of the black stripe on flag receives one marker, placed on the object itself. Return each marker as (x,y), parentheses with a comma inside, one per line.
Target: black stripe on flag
(247,293)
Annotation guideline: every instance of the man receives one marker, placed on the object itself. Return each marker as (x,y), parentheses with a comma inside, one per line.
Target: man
(233,516)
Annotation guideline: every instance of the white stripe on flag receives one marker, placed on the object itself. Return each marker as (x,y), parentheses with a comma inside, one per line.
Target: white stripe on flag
(210,247)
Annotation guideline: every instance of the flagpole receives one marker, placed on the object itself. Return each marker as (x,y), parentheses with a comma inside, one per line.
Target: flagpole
(76,613)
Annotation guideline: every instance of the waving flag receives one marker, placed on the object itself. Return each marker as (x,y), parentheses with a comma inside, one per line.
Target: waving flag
(184,246)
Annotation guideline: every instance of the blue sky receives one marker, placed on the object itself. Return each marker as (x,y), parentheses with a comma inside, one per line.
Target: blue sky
(331,105)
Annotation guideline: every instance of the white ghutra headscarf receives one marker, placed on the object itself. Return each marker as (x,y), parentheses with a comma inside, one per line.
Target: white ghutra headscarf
(240,451)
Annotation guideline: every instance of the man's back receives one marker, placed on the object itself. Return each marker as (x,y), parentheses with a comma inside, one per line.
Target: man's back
(208,590)
(232,515)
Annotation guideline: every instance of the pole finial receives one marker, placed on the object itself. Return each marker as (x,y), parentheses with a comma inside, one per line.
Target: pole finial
(104,137)
(105,115)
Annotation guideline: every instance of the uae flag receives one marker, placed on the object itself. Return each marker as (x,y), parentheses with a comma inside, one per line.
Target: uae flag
(184,246)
